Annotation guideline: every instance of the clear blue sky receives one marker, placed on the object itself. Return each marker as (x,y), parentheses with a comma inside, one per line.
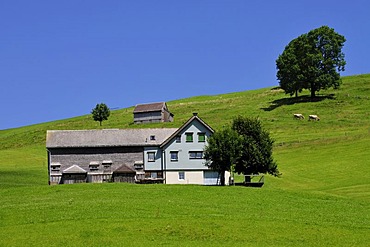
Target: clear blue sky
(58,59)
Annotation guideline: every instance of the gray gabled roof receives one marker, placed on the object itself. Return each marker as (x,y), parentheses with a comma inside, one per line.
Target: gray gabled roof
(150,107)
(107,137)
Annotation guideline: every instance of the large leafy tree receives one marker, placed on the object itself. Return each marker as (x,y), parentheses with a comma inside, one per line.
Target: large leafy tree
(222,150)
(100,113)
(256,153)
(245,146)
(312,61)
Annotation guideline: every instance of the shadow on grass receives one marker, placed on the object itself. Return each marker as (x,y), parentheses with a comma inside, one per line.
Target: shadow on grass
(296,100)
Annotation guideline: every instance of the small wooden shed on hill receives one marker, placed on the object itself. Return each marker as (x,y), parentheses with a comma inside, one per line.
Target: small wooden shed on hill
(152,113)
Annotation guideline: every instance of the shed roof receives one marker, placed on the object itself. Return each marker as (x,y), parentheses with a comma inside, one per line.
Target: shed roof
(107,137)
(74,169)
(150,107)
(124,169)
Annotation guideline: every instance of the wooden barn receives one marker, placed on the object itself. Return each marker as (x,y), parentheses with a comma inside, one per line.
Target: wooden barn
(152,113)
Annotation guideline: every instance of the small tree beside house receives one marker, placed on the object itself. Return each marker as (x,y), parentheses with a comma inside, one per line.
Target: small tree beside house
(245,147)
(222,151)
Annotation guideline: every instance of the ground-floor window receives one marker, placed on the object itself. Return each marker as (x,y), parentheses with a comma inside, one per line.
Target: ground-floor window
(181,175)
(153,175)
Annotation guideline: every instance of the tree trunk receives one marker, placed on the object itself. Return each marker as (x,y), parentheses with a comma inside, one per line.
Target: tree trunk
(313,95)
(296,93)
(222,178)
(313,90)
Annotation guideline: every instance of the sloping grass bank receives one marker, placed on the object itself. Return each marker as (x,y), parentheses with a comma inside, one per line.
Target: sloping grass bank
(322,199)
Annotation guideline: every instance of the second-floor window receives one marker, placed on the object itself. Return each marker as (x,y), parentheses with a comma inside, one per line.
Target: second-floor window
(174,155)
(151,156)
(196,155)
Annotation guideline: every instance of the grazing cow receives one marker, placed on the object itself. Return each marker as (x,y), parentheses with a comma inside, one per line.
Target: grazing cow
(298,116)
(313,117)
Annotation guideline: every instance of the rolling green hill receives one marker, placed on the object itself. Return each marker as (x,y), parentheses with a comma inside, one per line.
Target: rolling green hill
(322,198)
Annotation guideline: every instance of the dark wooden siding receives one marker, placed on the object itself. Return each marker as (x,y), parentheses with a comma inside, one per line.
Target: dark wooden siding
(83,156)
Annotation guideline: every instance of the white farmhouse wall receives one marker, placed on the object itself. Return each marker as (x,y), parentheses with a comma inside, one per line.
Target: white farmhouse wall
(194,177)
(190,177)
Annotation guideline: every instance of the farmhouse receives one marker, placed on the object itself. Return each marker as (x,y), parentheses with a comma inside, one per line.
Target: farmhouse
(156,155)
(151,113)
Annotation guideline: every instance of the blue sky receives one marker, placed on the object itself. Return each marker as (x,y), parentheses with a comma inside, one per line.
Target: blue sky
(58,59)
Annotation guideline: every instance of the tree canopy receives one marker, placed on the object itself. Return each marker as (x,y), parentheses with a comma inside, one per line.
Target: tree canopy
(312,61)
(100,113)
(244,146)
(222,150)
(256,153)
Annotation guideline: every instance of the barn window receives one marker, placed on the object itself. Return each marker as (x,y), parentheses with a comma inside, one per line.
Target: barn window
(107,164)
(196,155)
(174,155)
(94,165)
(55,167)
(201,137)
(189,137)
(151,156)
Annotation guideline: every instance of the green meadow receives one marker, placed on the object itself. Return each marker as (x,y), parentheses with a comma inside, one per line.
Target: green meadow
(322,198)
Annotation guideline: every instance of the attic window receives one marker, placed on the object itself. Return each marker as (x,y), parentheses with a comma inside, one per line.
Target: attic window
(201,137)
(189,137)
(152,137)
(178,138)
(107,164)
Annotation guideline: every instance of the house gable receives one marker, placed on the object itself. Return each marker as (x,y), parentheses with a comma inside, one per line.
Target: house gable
(185,153)
(185,126)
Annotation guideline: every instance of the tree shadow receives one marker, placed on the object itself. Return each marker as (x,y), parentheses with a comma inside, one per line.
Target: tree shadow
(296,100)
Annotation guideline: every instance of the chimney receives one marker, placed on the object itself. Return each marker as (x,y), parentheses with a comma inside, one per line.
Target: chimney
(195,113)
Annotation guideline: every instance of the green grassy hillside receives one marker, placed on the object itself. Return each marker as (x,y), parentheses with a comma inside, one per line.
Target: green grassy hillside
(322,198)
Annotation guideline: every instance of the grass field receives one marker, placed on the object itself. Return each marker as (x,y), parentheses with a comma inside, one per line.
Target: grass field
(322,199)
